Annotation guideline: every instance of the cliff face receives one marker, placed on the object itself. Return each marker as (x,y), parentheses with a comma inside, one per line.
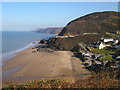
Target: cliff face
(99,22)
(50,30)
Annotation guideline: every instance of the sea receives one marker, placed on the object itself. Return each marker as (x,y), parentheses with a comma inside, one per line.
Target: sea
(16,41)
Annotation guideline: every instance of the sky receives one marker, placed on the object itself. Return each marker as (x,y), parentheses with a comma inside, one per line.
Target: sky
(27,16)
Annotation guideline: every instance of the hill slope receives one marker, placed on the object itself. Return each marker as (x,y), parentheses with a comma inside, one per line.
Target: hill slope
(99,22)
(95,25)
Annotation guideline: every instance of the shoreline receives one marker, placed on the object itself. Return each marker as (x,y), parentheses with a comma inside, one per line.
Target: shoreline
(27,66)
(12,54)
(9,55)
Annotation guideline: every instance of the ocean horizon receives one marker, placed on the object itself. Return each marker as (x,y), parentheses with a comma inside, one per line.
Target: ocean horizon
(16,41)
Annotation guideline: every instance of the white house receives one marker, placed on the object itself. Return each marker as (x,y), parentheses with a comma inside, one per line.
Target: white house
(101,46)
(108,40)
(87,54)
(116,41)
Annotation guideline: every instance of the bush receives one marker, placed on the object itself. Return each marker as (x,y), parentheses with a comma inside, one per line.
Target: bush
(42,42)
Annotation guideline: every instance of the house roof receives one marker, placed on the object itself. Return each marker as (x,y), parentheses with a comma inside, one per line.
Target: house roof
(118,43)
(107,40)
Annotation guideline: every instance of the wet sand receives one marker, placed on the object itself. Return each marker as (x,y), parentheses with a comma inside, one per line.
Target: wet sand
(30,66)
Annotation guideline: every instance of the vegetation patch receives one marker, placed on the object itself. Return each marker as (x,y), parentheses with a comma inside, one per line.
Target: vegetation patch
(107,58)
(102,51)
(100,80)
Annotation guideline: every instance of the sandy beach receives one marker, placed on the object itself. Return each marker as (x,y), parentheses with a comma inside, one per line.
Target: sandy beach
(30,66)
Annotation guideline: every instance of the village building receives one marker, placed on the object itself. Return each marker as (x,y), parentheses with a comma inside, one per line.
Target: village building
(117,46)
(105,43)
(102,45)
(110,40)
(107,40)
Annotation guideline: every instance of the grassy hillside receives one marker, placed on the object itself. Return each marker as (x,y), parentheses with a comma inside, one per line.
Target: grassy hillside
(99,22)
(72,42)
(87,29)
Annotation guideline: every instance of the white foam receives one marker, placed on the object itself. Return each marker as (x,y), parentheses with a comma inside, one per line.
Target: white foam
(12,54)
(29,46)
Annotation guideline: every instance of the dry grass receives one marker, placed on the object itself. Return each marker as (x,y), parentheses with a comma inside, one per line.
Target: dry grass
(101,80)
